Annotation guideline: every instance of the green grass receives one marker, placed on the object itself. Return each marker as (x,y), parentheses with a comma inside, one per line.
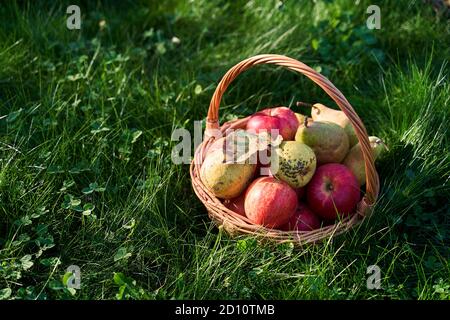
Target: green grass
(86,118)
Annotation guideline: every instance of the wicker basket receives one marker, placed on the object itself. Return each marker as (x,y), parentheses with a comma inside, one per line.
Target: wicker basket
(236,224)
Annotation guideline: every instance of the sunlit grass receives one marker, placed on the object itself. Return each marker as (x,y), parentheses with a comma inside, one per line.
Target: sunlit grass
(97,106)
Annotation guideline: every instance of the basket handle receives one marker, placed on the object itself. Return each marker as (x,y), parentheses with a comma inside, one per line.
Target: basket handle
(212,120)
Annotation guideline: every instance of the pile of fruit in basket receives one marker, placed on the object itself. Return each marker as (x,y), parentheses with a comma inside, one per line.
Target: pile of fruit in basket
(312,176)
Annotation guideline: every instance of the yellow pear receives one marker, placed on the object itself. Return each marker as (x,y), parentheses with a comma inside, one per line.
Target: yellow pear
(320,112)
(328,140)
(355,160)
(229,164)
(294,163)
(300,117)
(225,179)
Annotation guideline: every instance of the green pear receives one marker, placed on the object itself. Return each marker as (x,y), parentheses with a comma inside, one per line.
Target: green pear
(355,160)
(328,140)
(319,112)
(294,163)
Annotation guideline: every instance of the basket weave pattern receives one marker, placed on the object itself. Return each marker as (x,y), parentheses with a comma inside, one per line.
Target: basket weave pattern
(236,224)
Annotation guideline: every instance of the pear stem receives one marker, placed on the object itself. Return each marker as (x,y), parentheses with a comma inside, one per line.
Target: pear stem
(303,104)
(305,122)
(384,144)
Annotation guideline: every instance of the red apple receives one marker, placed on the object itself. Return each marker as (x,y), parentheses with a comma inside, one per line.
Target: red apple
(236,204)
(303,220)
(289,117)
(333,189)
(270,202)
(282,119)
